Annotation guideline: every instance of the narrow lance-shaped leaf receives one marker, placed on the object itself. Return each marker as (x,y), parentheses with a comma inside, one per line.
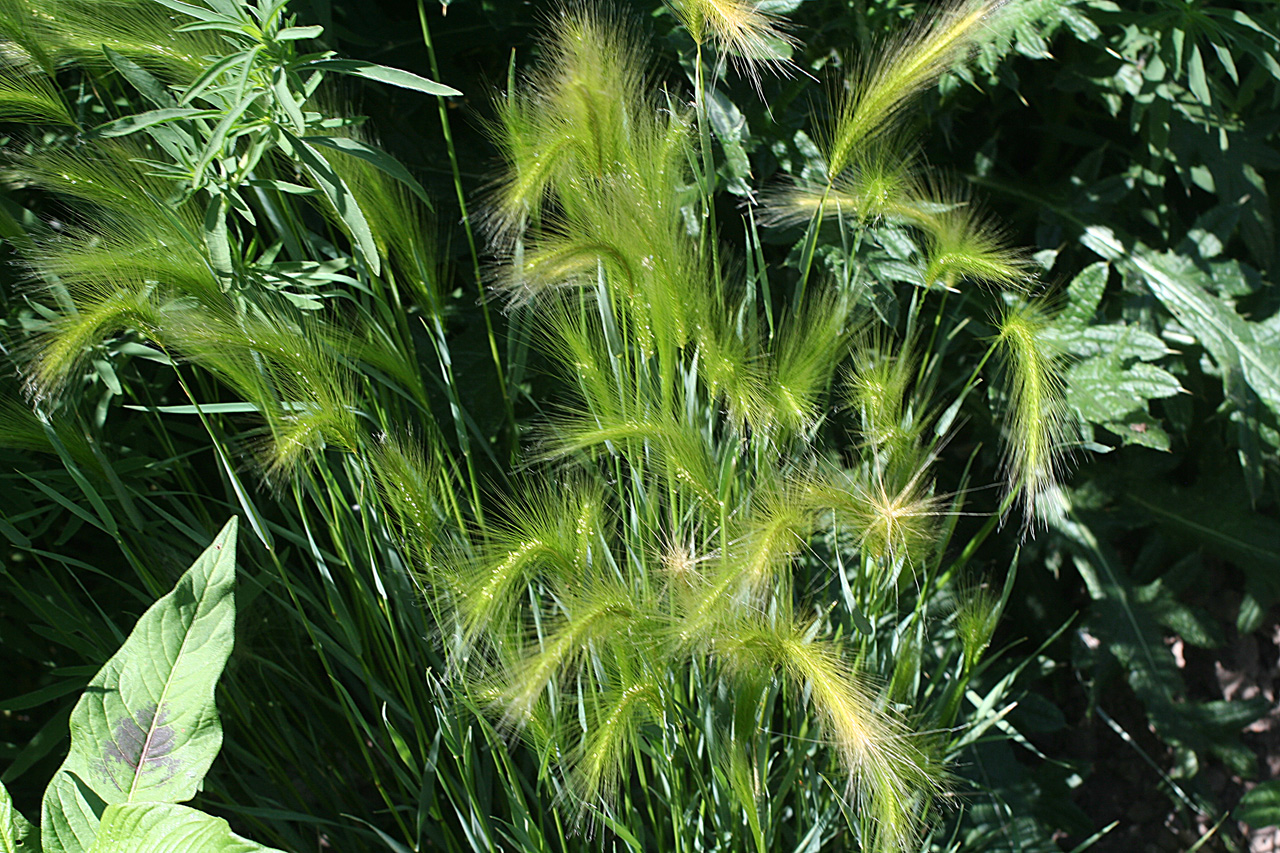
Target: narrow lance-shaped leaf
(297,33)
(165,828)
(337,191)
(198,12)
(141,79)
(379,159)
(132,124)
(147,726)
(385,74)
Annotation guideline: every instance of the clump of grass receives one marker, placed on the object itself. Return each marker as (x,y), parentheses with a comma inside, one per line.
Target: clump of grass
(699,436)
(648,584)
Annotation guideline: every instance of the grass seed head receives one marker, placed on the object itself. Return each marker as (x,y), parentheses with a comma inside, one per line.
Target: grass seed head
(1040,433)
(872,101)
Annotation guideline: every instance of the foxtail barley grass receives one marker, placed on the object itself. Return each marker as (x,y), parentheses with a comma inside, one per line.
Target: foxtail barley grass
(695,442)
(874,99)
(1040,426)
(740,29)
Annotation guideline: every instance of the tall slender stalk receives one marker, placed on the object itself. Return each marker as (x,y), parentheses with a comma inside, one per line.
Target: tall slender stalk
(471,240)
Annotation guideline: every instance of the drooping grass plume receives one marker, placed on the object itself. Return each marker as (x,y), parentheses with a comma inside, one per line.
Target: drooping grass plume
(142,30)
(550,531)
(758,563)
(1039,434)
(880,183)
(619,716)
(893,514)
(807,351)
(878,391)
(588,116)
(585,618)
(22,429)
(894,779)
(55,355)
(129,262)
(964,242)
(410,479)
(728,368)
(978,610)
(744,29)
(108,174)
(306,397)
(874,98)
(28,95)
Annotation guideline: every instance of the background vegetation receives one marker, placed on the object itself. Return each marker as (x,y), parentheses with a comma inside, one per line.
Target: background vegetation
(679,491)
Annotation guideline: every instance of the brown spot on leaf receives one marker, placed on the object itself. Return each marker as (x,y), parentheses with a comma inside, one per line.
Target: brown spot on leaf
(142,744)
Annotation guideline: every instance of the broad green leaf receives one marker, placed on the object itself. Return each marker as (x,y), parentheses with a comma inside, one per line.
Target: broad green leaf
(384,74)
(146,728)
(17,835)
(1191,623)
(1117,340)
(377,158)
(1141,429)
(1102,389)
(69,814)
(730,125)
(1260,806)
(1216,517)
(1228,337)
(1085,293)
(167,828)
(344,202)
(1074,332)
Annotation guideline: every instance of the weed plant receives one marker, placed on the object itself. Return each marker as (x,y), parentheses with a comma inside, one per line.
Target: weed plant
(717,603)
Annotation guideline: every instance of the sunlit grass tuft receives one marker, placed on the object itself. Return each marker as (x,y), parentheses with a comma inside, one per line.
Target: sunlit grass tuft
(1040,434)
(873,99)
